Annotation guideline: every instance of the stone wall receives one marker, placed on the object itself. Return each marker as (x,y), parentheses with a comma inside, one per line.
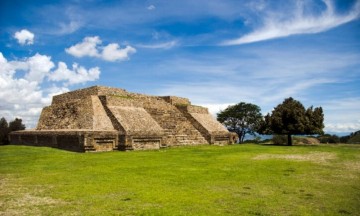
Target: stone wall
(73,140)
(173,100)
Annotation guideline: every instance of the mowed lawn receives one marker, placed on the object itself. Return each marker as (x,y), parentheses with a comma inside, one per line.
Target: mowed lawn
(201,180)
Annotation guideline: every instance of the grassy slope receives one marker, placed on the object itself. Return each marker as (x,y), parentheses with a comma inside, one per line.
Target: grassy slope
(204,180)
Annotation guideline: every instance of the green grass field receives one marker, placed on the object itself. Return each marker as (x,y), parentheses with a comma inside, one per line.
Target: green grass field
(202,180)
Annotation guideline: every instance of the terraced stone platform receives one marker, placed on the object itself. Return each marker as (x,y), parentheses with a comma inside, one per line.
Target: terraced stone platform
(102,118)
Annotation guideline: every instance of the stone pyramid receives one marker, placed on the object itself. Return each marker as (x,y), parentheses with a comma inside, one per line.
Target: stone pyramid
(101,118)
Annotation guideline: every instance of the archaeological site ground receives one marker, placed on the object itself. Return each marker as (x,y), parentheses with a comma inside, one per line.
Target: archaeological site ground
(229,180)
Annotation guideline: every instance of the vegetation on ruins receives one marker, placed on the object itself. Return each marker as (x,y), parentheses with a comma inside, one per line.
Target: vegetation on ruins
(242,118)
(198,180)
(6,128)
(291,118)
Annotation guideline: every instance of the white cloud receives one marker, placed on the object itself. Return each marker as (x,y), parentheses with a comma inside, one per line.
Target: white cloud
(88,47)
(165,45)
(216,108)
(38,67)
(342,127)
(78,74)
(299,23)
(24,37)
(91,46)
(25,95)
(151,7)
(112,52)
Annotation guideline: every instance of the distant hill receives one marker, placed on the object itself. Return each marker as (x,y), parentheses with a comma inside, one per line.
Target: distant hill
(354,138)
(339,134)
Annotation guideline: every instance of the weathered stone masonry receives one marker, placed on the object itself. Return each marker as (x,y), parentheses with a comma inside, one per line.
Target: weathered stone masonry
(104,119)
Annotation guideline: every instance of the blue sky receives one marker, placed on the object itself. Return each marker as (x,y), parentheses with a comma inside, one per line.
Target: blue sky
(215,53)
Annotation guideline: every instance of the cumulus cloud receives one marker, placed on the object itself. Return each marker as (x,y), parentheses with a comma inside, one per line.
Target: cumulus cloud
(276,26)
(24,37)
(38,67)
(88,47)
(112,52)
(78,74)
(91,46)
(24,94)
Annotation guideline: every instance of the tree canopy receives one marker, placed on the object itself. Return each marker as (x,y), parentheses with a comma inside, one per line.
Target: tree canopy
(6,128)
(242,118)
(16,125)
(290,118)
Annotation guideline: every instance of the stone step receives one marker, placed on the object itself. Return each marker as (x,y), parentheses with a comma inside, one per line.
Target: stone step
(191,140)
(176,126)
(89,148)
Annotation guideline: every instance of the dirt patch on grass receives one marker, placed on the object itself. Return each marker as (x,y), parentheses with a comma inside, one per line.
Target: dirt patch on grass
(353,165)
(18,200)
(316,157)
(306,140)
(30,200)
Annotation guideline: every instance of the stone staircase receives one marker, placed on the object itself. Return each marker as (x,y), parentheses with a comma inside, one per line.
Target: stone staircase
(178,129)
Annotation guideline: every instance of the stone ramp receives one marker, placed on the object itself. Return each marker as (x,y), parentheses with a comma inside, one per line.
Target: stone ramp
(135,120)
(205,123)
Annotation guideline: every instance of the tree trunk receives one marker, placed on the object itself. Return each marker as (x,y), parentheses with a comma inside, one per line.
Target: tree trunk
(241,135)
(289,140)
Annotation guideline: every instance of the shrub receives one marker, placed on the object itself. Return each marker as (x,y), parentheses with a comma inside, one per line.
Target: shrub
(279,139)
(327,138)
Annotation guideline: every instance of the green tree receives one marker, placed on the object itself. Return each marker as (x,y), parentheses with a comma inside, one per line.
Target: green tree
(16,125)
(242,118)
(4,130)
(290,118)
(344,139)
(316,120)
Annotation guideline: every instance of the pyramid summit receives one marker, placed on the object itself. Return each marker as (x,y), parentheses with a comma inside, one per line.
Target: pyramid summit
(102,118)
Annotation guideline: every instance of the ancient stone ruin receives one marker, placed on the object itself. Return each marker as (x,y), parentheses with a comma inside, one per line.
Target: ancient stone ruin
(103,119)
